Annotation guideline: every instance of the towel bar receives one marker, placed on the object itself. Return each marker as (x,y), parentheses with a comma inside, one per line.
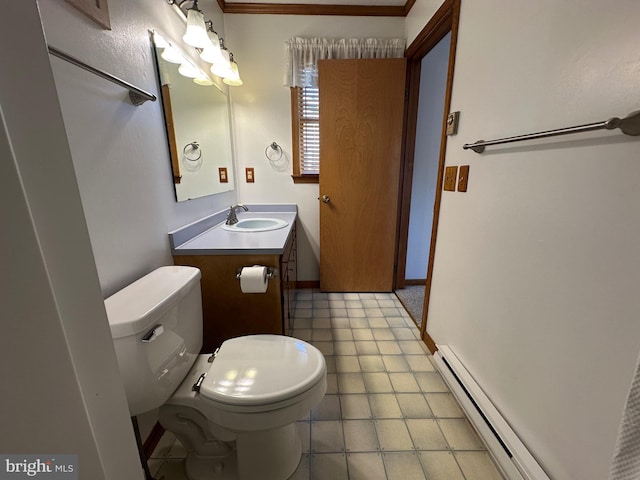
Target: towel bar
(630,125)
(136,95)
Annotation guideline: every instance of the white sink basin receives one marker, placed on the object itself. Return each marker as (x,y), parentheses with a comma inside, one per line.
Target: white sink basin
(256,225)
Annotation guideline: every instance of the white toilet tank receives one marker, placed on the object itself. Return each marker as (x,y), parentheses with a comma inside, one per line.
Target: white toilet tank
(156,325)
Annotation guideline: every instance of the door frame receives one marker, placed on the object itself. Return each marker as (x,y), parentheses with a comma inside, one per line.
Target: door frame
(445,20)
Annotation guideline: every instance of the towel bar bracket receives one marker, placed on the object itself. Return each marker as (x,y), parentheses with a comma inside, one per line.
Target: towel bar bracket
(136,99)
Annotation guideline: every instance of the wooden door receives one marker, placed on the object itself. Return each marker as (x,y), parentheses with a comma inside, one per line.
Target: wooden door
(361,122)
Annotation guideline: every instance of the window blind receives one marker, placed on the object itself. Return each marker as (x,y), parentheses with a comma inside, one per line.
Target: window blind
(309,130)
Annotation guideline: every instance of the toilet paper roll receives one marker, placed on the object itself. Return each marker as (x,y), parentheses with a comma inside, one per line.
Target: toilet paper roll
(253,279)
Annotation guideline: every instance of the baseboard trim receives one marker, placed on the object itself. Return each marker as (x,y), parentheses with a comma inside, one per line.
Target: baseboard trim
(152,440)
(429,342)
(510,454)
(415,281)
(308,284)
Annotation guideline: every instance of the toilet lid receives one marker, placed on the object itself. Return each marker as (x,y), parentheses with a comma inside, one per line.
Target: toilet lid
(262,369)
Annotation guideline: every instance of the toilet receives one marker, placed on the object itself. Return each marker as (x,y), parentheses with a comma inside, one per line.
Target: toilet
(235,411)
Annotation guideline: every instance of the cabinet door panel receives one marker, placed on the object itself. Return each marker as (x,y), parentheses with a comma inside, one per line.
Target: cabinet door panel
(227,312)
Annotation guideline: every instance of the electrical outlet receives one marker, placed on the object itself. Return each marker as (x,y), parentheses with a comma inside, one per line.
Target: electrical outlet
(463,178)
(249,175)
(450,175)
(222,173)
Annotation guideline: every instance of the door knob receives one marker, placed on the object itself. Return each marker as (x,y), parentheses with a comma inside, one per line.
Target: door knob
(326,199)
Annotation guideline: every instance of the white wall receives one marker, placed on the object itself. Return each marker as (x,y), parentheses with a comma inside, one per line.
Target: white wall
(536,267)
(433,84)
(262,110)
(61,389)
(418,17)
(120,151)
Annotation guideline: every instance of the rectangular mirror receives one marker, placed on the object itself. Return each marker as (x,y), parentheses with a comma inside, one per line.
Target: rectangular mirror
(198,131)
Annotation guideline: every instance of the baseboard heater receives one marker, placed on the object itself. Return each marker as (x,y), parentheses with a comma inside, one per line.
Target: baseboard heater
(511,455)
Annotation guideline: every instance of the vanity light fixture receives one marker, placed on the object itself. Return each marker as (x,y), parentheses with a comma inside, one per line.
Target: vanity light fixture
(196,34)
(234,79)
(187,68)
(210,46)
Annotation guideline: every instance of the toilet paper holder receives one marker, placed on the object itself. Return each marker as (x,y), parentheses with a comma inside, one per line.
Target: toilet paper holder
(271,272)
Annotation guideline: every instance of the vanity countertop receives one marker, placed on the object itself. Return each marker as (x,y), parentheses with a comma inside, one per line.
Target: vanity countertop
(207,237)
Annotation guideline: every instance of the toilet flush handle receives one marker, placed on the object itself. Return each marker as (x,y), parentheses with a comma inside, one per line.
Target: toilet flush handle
(152,334)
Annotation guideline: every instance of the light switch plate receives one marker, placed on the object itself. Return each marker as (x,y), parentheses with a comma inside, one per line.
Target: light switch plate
(463,178)
(452,123)
(222,173)
(249,175)
(450,175)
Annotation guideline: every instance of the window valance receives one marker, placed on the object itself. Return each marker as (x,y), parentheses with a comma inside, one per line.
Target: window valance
(302,55)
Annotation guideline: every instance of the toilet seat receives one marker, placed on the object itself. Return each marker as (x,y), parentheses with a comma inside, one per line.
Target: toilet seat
(238,417)
(247,373)
(285,378)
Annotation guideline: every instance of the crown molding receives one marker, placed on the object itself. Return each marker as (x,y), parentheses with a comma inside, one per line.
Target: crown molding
(316,9)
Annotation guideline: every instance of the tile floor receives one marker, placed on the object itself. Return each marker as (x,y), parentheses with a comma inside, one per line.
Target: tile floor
(387,413)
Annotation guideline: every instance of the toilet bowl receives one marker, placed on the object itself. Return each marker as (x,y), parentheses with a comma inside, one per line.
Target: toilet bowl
(234,411)
(254,391)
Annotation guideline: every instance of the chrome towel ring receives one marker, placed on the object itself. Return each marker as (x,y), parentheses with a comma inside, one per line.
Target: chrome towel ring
(192,151)
(273,157)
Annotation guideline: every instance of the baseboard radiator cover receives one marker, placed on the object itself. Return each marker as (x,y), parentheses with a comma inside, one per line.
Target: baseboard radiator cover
(511,455)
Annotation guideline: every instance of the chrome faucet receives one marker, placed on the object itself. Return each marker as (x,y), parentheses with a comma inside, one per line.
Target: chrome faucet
(232,219)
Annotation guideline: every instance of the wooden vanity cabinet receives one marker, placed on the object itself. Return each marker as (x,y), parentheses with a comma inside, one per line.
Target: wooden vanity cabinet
(288,269)
(227,311)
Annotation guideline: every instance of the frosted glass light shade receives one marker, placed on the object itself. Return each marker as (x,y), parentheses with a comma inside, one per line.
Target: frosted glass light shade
(172,55)
(159,41)
(234,79)
(203,80)
(196,34)
(187,69)
(212,53)
(222,68)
